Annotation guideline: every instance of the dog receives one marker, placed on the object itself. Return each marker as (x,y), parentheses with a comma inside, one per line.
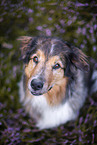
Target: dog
(55,81)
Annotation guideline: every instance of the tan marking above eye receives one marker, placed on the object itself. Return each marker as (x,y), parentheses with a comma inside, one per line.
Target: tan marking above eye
(55,62)
(35,65)
(38,56)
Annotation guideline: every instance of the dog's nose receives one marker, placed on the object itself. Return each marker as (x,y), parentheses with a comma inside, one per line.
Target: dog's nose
(36,84)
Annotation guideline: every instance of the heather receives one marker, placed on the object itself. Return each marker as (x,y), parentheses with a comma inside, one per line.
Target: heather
(74,21)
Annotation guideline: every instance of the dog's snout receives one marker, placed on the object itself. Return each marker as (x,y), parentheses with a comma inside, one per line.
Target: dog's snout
(36,84)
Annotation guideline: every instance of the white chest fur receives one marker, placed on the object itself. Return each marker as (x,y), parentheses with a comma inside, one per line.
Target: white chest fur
(52,116)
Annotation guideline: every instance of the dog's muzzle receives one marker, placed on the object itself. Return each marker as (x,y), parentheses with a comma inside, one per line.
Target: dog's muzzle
(36,84)
(38,87)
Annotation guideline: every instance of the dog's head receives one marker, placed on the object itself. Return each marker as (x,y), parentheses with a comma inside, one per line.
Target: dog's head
(49,64)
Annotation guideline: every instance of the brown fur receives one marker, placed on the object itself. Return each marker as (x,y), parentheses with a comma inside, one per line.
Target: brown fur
(56,94)
(31,69)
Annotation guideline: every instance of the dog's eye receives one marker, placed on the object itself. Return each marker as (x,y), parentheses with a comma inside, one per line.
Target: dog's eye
(56,66)
(35,59)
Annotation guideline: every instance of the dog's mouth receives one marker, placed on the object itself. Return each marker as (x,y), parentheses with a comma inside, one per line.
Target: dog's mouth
(50,88)
(36,93)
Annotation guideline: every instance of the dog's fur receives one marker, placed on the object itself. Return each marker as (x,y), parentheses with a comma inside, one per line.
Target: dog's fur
(54,85)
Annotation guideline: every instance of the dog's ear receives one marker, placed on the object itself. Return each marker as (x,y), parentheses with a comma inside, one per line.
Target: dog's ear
(25,41)
(79,59)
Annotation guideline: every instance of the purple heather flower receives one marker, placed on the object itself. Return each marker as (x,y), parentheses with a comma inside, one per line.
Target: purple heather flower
(95,26)
(49,18)
(91,30)
(39,28)
(62,31)
(27,130)
(94,48)
(48,32)
(30,19)
(84,31)
(30,11)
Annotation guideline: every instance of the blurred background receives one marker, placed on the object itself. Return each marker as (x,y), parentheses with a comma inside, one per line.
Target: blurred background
(74,21)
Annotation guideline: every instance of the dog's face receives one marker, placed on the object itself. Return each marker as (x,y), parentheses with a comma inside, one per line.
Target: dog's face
(44,73)
(49,63)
